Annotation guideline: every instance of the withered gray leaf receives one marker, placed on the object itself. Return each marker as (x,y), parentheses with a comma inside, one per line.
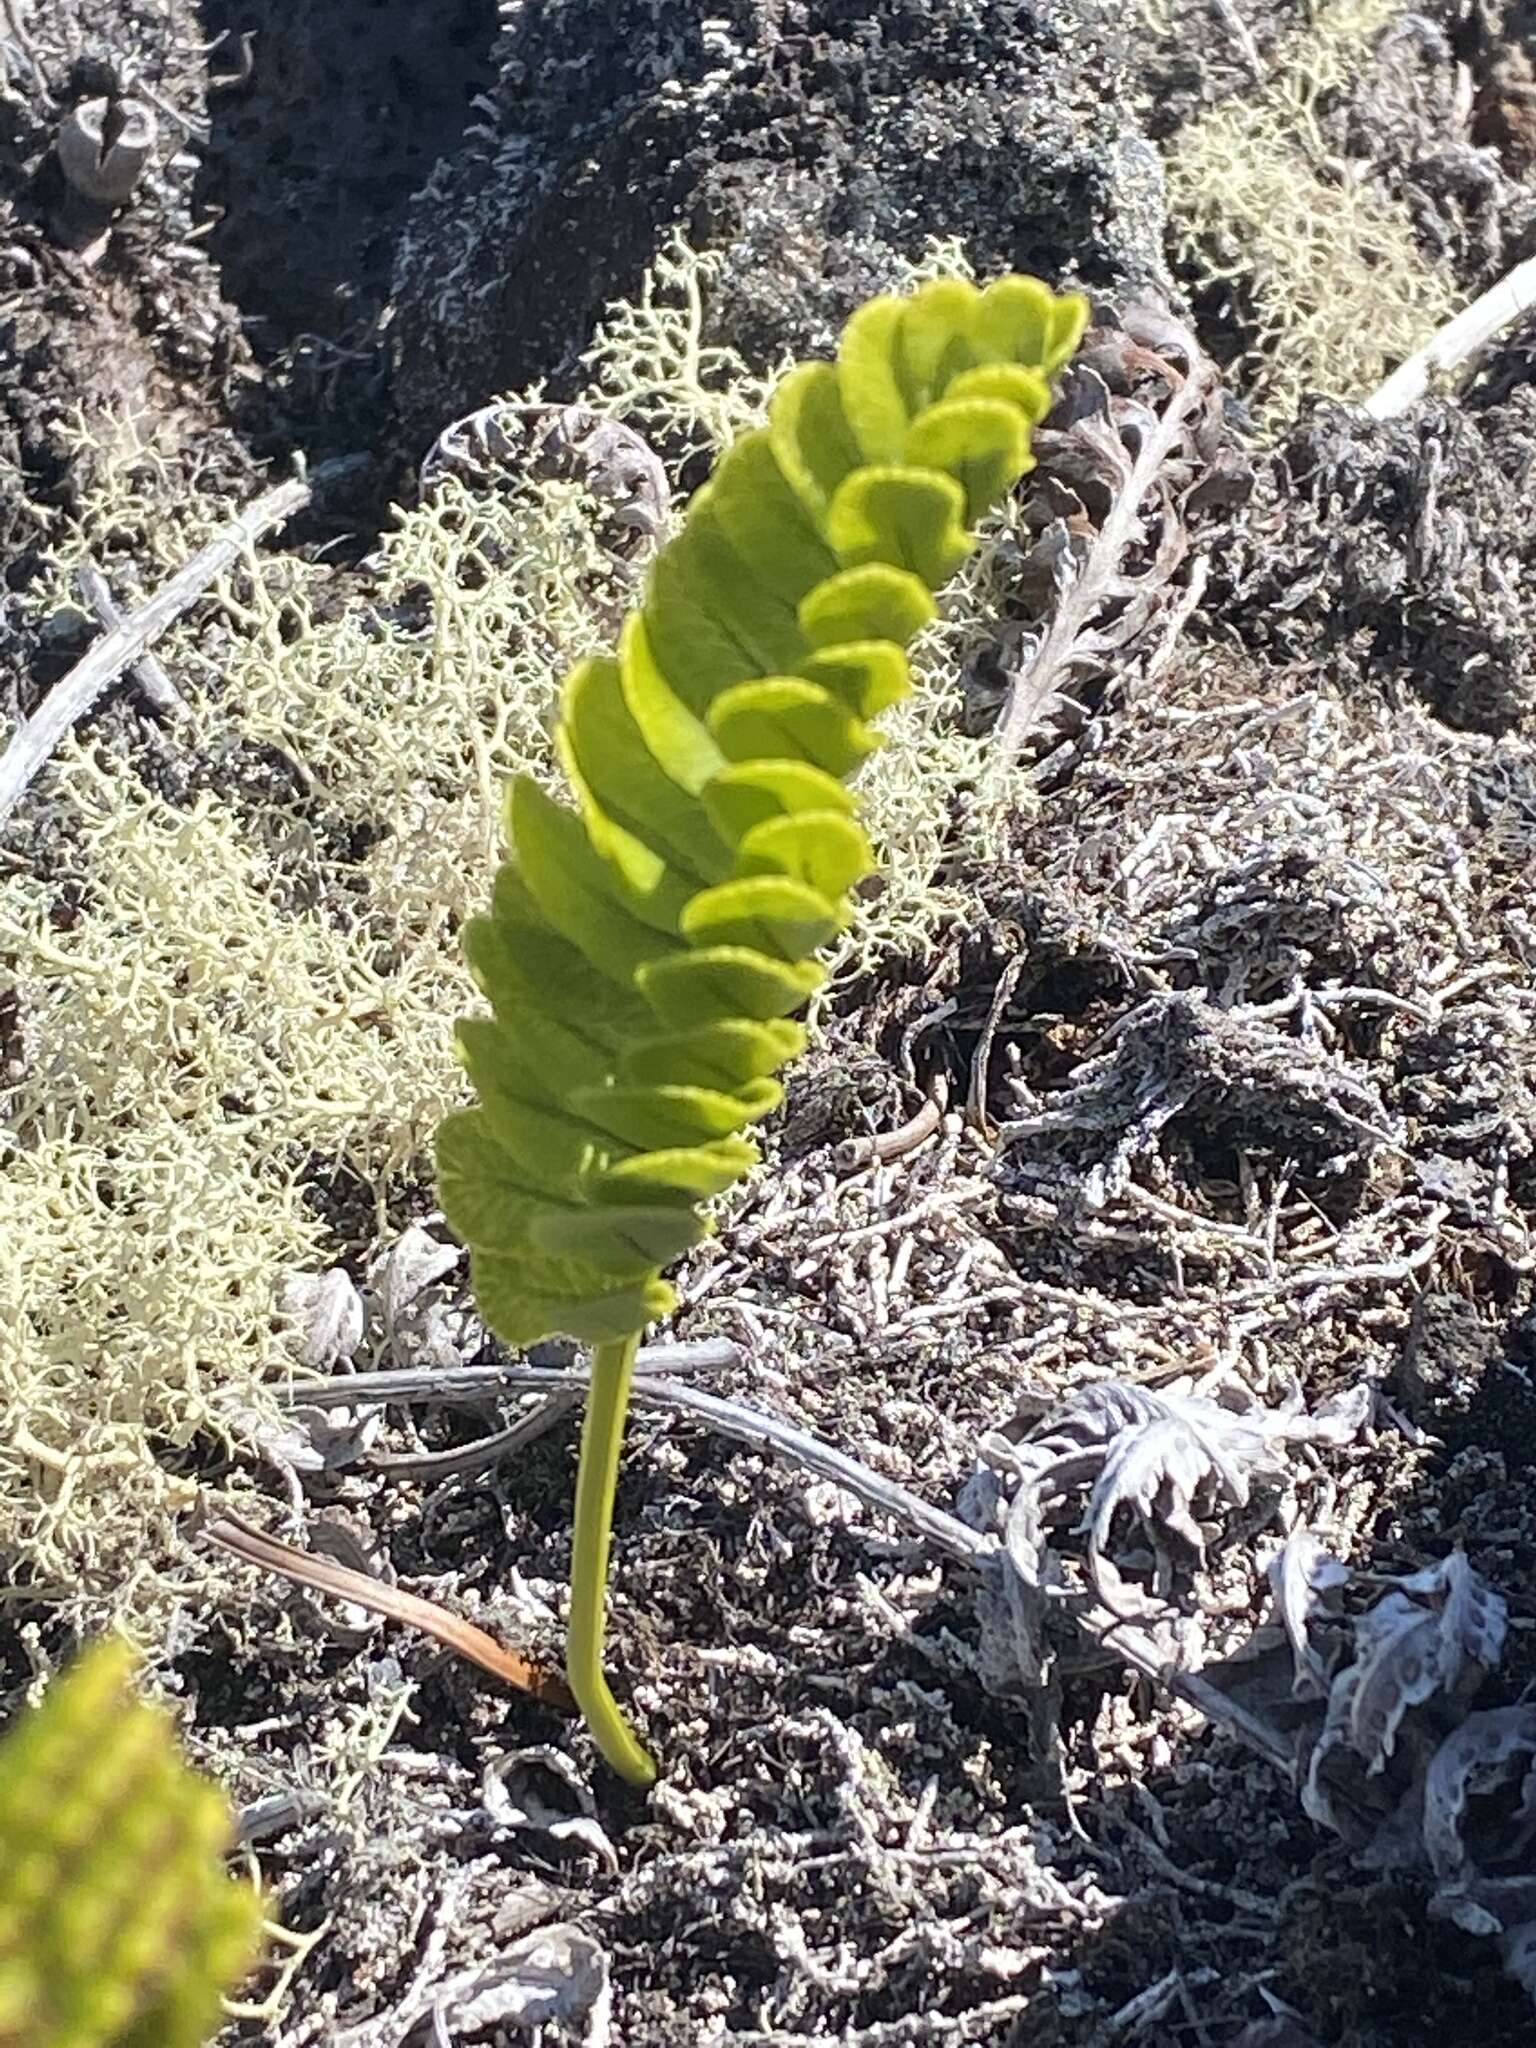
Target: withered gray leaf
(326,1312)
(558,1974)
(1418,1640)
(1136,453)
(415,1262)
(1490,1758)
(539,1790)
(1306,1581)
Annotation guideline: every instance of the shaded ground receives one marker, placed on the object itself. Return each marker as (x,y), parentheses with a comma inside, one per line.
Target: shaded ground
(1243,1011)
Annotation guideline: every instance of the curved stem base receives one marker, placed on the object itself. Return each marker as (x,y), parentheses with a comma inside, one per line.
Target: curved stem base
(602,1437)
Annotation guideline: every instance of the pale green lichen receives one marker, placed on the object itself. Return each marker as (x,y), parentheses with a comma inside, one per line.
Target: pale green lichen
(1323,262)
(651,364)
(240,1002)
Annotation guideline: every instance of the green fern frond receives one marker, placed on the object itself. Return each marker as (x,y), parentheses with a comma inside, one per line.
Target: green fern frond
(118,1926)
(646,951)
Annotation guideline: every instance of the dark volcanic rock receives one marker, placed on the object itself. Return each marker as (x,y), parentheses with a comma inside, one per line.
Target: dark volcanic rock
(823,142)
(1403,548)
(1469,1384)
(116,347)
(327,117)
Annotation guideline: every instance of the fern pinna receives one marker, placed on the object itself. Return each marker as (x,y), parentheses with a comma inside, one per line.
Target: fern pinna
(646,950)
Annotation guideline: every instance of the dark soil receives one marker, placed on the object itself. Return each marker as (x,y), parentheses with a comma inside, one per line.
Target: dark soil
(1286,880)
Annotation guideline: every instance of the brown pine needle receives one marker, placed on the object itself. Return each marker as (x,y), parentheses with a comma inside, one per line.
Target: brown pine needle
(324,1575)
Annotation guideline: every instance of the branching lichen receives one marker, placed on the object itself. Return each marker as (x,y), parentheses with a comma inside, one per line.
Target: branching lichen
(1326,264)
(650,360)
(220,996)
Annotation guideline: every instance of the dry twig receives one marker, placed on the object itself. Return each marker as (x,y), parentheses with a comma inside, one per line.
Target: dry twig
(158,689)
(1456,342)
(885,1146)
(470,1384)
(35,739)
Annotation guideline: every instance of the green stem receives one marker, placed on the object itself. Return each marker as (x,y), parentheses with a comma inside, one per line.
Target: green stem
(602,1436)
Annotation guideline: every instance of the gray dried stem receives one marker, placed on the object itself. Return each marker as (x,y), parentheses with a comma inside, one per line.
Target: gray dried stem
(68,702)
(472,1384)
(158,689)
(1454,344)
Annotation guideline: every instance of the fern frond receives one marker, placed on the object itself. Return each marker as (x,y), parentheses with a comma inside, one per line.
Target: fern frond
(645,951)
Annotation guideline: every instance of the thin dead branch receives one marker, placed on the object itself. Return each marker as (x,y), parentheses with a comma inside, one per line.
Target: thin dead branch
(1456,342)
(474,1384)
(885,1146)
(155,685)
(485,1451)
(67,703)
(765,1432)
